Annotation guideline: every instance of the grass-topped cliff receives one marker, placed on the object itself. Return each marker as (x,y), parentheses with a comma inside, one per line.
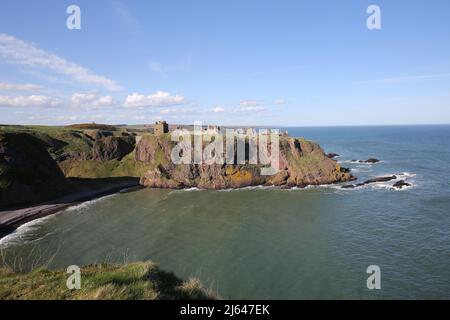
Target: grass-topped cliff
(27,171)
(301,163)
(140,280)
(35,159)
(36,162)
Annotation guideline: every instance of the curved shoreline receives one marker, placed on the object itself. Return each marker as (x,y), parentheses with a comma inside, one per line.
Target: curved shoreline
(10,220)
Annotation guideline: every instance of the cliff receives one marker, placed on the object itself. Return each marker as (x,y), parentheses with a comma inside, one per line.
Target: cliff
(302,163)
(27,171)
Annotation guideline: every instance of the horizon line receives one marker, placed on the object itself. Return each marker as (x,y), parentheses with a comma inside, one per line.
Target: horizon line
(236,125)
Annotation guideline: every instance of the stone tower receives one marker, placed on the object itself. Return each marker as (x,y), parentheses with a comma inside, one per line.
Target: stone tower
(160,127)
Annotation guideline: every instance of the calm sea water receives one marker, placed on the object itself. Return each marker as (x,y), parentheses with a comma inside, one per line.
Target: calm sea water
(280,244)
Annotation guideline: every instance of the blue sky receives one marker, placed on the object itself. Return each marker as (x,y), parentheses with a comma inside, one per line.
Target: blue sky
(290,63)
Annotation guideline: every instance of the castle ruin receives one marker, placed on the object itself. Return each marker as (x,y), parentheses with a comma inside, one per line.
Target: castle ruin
(160,127)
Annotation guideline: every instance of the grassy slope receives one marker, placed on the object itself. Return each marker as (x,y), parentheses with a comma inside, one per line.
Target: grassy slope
(127,167)
(72,139)
(140,280)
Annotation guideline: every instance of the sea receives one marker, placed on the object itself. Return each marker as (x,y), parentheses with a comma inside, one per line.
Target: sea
(266,243)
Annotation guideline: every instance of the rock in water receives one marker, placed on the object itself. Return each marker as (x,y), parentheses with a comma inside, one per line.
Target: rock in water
(370,160)
(380,179)
(374,180)
(332,155)
(400,184)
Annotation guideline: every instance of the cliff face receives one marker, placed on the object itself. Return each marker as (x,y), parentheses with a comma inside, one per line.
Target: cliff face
(110,148)
(301,163)
(27,172)
(35,161)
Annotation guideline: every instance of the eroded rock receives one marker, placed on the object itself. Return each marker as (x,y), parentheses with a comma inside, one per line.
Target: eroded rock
(301,163)
(112,148)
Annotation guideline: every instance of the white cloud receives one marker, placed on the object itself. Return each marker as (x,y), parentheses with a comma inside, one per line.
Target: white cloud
(249,103)
(167,111)
(177,111)
(91,99)
(411,78)
(218,109)
(158,99)
(29,101)
(251,108)
(16,51)
(280,101)
(19,86)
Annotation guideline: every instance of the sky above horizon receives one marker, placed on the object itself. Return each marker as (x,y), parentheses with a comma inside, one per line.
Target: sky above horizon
(233,62)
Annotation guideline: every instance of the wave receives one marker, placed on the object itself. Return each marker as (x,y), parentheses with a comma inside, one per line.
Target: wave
(184,190)
(361,163)
(405,175)
(18,235)
(388,185)
(361,169)
(191,189)
(124,190)
(89,203)
(260,187)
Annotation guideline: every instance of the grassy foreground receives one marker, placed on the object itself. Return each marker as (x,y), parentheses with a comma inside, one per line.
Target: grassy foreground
(134,281)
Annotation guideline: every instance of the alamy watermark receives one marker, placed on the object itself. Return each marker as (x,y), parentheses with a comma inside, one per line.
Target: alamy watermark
(374,280)
(232,146)
(73,21)
(74,280)
(374,20)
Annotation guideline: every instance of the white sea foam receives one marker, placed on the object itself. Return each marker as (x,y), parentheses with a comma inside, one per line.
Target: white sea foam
(405,175)
(129,189)
(260,187)
(191,189)
(361,169)
(315,186)
(360,163)
(19,234)
(388,185)
(184,190)
(88,204)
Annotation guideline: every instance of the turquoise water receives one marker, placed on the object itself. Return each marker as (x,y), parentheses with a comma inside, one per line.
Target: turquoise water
(280,244)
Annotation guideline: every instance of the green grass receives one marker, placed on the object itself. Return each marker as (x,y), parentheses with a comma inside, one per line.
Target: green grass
(93,169)
(83,126)
(73,140)
(140,280)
